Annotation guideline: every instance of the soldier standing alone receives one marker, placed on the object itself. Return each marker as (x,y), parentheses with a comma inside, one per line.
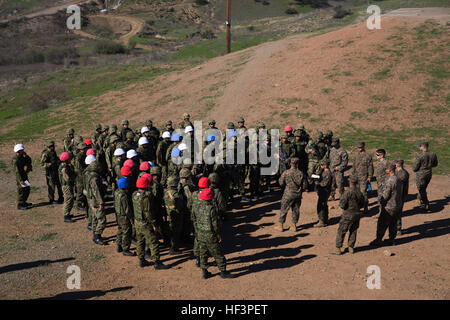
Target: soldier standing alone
(22,166)
(423,165)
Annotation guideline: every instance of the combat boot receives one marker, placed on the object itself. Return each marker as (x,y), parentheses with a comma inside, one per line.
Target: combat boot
(89,227)
(197,262)
(226,275)
(21,207)
(376,243)
(351,250)
(128,253)
(143,263)
(68,219)
(119,248)
(159,265)
(98,240)
(293,227)
(206,274)
(147,254)
(174,251)
(28,204)
(320,224)
(337,251)
(279,227)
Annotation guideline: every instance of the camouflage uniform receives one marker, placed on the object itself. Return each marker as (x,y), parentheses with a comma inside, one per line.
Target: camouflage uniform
(381,175)
(292,181)
(351,201)
(403,175)
(323,192)
(79,167)
(316,150)
(363,170)
(338,160)
(123,131)
(95,198)
(125,219)
(67,178)
(22,166)
(423,168)
(391,201)
(161,159)
(175,207)
(287,151)
(208,233)
(158,205)
(145,220)
(50,163)
(68,142)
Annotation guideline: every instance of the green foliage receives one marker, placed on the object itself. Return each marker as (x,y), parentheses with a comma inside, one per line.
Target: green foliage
(109,47)
(46,236)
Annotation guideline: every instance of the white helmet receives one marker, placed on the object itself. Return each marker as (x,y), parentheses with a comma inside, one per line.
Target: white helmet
(18,147)
(166,134)
(151,164)
(118,152)
(131,153)
(144,130)
(182,146)
(143,140)
(89,159)
(188,129)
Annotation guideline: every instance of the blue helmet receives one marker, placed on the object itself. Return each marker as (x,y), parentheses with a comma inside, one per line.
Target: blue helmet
(175,152)
(232,133)
(175,137)
(123,183)
(211,138)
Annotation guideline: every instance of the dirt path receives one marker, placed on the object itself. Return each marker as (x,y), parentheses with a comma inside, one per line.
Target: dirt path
(136,25)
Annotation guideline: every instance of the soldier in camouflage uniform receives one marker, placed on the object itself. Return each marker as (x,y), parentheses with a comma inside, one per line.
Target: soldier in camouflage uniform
(289,133)
(292,182)
(50,163)
(79,167)
(145,151)
(323,192)
(124,130)
(391,201)
(327,140)
(300,153)
(186,121)
(363,170)
(96,135)
(125,218)
(338,164)
(22,166)
(168,126)
(160,210)
(186,188)
(145,221)
(112,133)
(67,178)
(218,195)
(351,201)
(109,158)
(303,135)
(380,170)
(161,159)
(422,166)
(68,142)
(242,169)
(95,198)
(316,150)
(129,143)
(202,184)
(403,175)
(287,151)
(209,234)
(175,207)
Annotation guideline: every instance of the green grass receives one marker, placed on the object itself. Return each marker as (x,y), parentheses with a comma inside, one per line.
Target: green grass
(78,85)
(46,236)
(207,49)
(401,143)
(383,74)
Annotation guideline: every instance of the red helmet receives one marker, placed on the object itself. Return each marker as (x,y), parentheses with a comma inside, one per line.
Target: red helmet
(148,176)
(88,142)
(287,128)
(207,194)
(144,166)
(142,183)
(90,152)
(64,156)
(128,163)
(204,182)
(125,171)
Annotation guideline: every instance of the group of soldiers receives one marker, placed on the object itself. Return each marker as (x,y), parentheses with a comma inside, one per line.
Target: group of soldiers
(157,199)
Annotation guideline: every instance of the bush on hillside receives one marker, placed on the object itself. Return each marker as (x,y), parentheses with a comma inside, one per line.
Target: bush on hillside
(291,10)
(109,47)
(340,13)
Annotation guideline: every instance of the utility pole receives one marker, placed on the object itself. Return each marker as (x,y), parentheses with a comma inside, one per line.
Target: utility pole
(228,24)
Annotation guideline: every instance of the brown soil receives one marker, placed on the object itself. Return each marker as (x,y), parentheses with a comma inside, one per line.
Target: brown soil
(267,264)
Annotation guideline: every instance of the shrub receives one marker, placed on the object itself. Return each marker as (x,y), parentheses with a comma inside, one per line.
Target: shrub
(340,13)
(291,10)
(109,47)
